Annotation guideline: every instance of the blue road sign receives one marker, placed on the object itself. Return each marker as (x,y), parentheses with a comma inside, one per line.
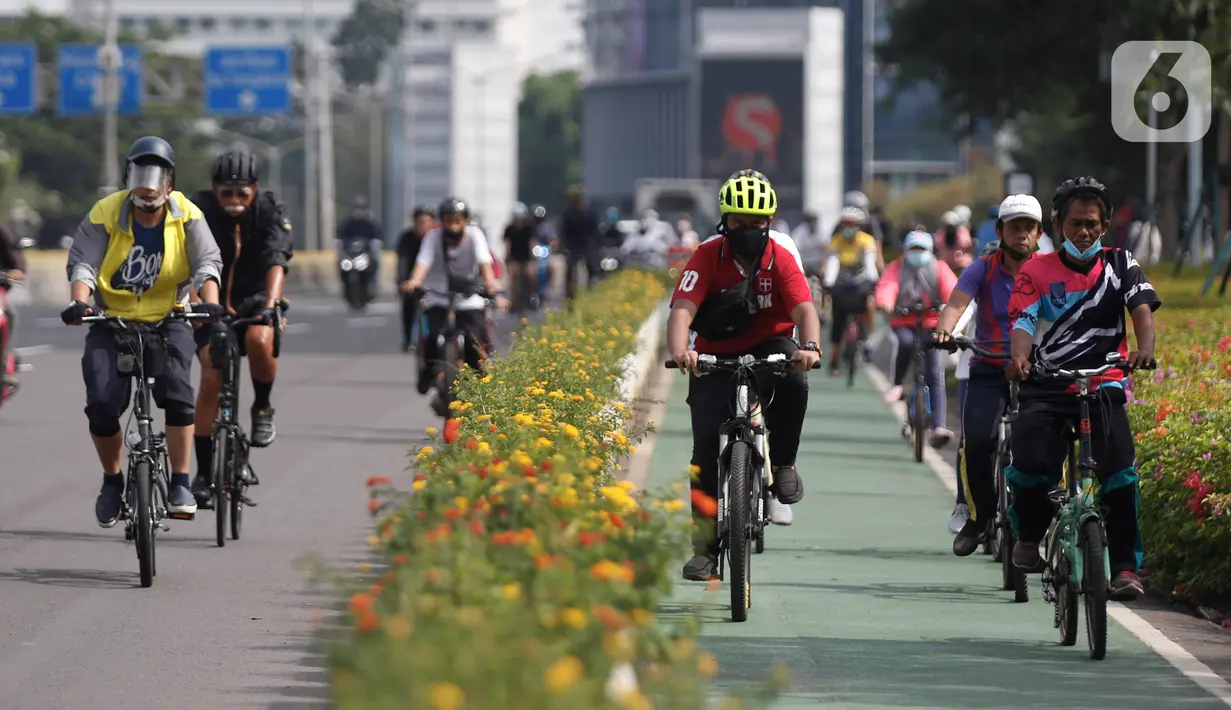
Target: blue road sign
(248,81)
(81,79)
(18,78)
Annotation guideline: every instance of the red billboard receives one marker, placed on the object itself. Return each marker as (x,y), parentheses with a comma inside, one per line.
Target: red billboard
(752,116)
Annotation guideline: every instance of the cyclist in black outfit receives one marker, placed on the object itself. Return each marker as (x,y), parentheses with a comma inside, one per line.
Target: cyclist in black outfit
(254,237)
(518,241)
(579,236)
(423,220)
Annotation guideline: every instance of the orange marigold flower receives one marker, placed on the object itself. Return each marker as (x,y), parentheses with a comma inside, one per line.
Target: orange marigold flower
(704,504)
(367,622)
(360,602)
(615,519)
(378,481)
(452,427)
(609,616)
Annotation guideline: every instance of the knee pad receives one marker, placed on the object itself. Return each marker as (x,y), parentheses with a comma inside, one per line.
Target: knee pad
(179,414)
(103,422)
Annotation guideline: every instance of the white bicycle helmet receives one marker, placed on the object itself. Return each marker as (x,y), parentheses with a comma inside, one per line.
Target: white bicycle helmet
(964,213)
(852,215)
(520,211)
(855,198)
(950,219)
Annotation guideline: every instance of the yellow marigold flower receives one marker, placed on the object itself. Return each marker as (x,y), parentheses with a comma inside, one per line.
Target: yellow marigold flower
(397,627)
(484,447)
(431,431)
(563,674)
(619,496)
(633,700)
(642,618)
(619,437)
(426,451)
(446,696)
(511,591)
(418,485)
(674,506)
(462,503)
(574,617)
(619,645)
(543,443)
(570,431)
(486,379)
(628,486)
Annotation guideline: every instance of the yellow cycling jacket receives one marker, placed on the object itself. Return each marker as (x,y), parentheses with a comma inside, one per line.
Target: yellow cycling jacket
(103,245)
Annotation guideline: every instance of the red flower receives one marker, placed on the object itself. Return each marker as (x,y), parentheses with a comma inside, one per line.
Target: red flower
(451,428)
(704,504)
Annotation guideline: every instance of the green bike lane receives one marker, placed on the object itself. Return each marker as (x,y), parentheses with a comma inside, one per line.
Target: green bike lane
(864,601)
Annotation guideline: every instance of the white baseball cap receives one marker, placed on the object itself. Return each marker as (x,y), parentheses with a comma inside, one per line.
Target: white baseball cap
(1015,206)
(919,240)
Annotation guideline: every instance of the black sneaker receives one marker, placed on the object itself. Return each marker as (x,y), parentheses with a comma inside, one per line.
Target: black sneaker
(700,568)
(969,539)
(180,500)
(109,503)
(263,431)
(202,491)
(788,487)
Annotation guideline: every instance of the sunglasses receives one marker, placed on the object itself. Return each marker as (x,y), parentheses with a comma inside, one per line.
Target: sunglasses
(229,192)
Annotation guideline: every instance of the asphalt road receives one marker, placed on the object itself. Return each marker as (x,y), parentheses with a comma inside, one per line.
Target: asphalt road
(221,627)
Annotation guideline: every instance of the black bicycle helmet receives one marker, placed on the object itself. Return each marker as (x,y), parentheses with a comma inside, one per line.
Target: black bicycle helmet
(421,210)
(237,166)
(149,149)
(454,205)
(1086,186)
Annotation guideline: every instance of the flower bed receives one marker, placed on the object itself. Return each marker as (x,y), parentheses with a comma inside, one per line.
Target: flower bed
(520,572)
(1182,423)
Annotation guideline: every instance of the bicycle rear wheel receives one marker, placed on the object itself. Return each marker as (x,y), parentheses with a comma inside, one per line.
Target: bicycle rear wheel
(239,478)
(1066,601)
(221,480)
(740,515)
(1094,588)
(850,355)
(1012,577)
(144,515)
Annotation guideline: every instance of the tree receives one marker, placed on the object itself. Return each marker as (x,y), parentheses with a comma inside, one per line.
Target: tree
(365,38)
(549,140)
(61,156)
(1039,67)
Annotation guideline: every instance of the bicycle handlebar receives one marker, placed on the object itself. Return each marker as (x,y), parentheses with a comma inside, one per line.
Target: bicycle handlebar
(1043,372)
(123,322)
(917,309)
(487,295)
(961,342)
(709,363)
(257,319)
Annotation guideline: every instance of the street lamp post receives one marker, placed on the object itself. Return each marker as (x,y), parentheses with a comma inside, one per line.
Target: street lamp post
(110,57)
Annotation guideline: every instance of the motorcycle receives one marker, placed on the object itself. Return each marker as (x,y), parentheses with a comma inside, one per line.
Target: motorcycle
(358,273)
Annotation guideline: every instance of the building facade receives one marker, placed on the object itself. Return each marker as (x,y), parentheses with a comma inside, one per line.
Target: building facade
(640,110)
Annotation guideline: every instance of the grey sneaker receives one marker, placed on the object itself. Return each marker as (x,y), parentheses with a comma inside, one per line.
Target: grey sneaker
(1026,555)
(180,500)
(700,568)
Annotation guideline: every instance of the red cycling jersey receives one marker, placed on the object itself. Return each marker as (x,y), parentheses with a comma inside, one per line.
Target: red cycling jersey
(779,283)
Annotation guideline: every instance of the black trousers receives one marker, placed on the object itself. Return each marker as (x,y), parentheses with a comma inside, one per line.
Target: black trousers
(410,313)
(711,399)
(987,395)
(1040,446)
(472,325)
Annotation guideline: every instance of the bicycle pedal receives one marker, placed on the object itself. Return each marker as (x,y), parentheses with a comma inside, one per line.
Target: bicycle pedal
(247,501)
(163,527)
(182,516)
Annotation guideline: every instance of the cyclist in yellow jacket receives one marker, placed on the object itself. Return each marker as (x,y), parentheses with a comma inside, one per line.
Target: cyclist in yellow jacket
(137,253)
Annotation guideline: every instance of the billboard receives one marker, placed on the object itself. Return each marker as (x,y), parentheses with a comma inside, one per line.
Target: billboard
(752,116)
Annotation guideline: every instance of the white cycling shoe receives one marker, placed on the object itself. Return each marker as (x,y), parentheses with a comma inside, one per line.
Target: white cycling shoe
(780,513)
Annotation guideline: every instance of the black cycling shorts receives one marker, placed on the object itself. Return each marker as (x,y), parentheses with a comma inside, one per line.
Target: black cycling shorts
(108,392)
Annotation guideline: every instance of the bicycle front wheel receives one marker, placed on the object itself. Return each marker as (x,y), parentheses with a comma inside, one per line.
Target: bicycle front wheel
(919,424)
(1094,588)
(221,481)
(740,516)
(144,514)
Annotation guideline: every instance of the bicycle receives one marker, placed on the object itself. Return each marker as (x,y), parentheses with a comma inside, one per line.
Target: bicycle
(1000,543)
(452,342)
(231,472)
(850,295)
(743,443)
(919,404)
(1076,541)
(140,353)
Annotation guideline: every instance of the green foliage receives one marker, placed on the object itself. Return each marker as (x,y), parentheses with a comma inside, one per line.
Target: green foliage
(364,39)
(549,144)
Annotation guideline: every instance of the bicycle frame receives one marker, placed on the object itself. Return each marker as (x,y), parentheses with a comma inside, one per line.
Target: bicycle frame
(747,425)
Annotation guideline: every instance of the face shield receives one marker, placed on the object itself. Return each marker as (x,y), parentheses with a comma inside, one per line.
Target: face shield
(149,185)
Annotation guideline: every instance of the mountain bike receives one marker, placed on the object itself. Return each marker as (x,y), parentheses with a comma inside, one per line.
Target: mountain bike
(919,403)
(141,353)
(744,472)
(1076,559)
(231,473)
(999,544)
(451,340)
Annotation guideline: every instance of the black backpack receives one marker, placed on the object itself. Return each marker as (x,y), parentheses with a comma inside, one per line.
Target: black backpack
(727,313)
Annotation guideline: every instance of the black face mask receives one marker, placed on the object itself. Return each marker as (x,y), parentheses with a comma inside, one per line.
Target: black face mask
(950,237)
(748,242)
(453,237)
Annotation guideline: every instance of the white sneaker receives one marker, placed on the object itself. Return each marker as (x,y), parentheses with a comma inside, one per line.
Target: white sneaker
(960,515)
(780,513)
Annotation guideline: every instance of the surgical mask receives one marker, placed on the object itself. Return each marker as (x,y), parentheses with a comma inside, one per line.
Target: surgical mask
(918,259)
(748,242)
(850,232)
(1095,248)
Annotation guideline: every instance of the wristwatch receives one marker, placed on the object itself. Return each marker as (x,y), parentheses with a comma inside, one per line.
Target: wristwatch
(812,347)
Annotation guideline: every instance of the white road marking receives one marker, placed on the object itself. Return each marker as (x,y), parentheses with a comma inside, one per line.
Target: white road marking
(294,328)
(30,350)
(1169,650)
(367,322)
